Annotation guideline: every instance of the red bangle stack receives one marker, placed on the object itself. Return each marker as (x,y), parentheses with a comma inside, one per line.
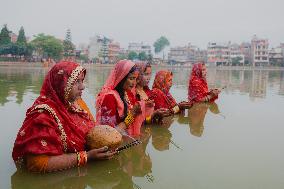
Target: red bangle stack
(82,158)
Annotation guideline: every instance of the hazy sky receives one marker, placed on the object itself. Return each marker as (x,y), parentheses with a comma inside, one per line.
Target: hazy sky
(181,21)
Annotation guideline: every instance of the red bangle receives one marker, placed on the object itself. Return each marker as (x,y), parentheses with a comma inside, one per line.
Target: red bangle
(82,158)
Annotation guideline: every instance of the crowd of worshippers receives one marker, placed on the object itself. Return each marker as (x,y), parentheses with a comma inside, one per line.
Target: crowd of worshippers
(53,134)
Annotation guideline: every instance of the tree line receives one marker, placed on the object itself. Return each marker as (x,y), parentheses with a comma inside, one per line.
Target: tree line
(42,46)
(46,46)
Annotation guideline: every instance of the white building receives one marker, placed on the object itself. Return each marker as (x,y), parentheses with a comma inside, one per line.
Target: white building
(236,56)
(259,51)
(139,47)
(218,53)
(186,55)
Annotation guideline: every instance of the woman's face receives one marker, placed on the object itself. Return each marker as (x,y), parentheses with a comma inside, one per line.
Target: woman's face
(204,71)
(169,82)
(147,76)
(77,89)
(130,81)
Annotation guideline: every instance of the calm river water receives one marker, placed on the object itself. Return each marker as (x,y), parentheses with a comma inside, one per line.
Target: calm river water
(234,143)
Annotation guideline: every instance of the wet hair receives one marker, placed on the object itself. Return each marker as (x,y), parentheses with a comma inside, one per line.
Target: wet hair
(120,90)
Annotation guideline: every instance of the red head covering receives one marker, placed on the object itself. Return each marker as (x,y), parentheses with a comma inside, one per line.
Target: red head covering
(160,90)
(52,125)
(197,87)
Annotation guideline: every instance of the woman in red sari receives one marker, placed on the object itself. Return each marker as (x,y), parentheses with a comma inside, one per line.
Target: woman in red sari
(143,92)
(116,104)
(161,93)
(52,136)
(198,88)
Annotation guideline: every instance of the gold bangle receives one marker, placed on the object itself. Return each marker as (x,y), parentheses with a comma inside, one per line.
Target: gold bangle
(129,119)
(78,159)
(148,119)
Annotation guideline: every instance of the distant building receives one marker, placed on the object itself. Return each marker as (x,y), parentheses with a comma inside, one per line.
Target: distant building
(103,49)
(186,55)
(178,55)
(113,52)
(259,50)
(139,47)
(276,56)
(245,49)
(236,56)
(218,53)
(13,37)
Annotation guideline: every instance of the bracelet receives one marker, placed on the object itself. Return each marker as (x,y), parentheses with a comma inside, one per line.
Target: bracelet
(148,119)
(82,158)
(129,119)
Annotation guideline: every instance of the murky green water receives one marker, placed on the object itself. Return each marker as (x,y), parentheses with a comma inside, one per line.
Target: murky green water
(235,143)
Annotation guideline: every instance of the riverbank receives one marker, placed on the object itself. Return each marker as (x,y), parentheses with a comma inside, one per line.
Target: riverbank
(39,64)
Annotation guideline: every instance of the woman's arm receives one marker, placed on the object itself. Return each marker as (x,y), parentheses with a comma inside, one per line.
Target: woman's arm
(44,163)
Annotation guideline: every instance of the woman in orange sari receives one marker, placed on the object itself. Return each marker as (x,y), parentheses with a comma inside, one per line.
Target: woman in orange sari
(52,136)
(161,93)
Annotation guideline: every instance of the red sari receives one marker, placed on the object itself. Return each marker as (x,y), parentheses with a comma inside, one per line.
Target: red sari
(160,91)
(52,126)
(197,87)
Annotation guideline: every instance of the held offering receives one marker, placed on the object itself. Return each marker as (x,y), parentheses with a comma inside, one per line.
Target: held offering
(103,135)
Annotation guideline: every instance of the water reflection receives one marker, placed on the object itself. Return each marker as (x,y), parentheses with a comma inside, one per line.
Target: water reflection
(106,175)
(18,81)
(161,135)
(196,116)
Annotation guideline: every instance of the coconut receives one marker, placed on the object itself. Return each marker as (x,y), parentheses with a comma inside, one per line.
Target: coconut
(103,135)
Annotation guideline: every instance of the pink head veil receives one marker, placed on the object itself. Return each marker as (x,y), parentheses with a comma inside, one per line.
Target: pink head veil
(120,70)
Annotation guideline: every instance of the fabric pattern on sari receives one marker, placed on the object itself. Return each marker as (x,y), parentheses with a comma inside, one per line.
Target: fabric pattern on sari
(160,91)
(52,125)
(197,87)
(109,105)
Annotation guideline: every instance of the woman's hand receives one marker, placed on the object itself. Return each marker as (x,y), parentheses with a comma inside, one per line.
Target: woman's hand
(158,115)
(184,105)
(100,153)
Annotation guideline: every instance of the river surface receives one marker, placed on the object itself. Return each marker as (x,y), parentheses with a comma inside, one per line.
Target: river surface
(233,143)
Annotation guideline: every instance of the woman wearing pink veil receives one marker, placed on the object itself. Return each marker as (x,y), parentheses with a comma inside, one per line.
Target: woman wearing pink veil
(116,105)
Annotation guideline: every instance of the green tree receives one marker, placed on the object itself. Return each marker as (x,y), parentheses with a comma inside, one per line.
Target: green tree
(121,57)
(132,55)
(160,45)
(236,61)
(142,56)
(47,46)
(22,37)
(68,46)
(4,36)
